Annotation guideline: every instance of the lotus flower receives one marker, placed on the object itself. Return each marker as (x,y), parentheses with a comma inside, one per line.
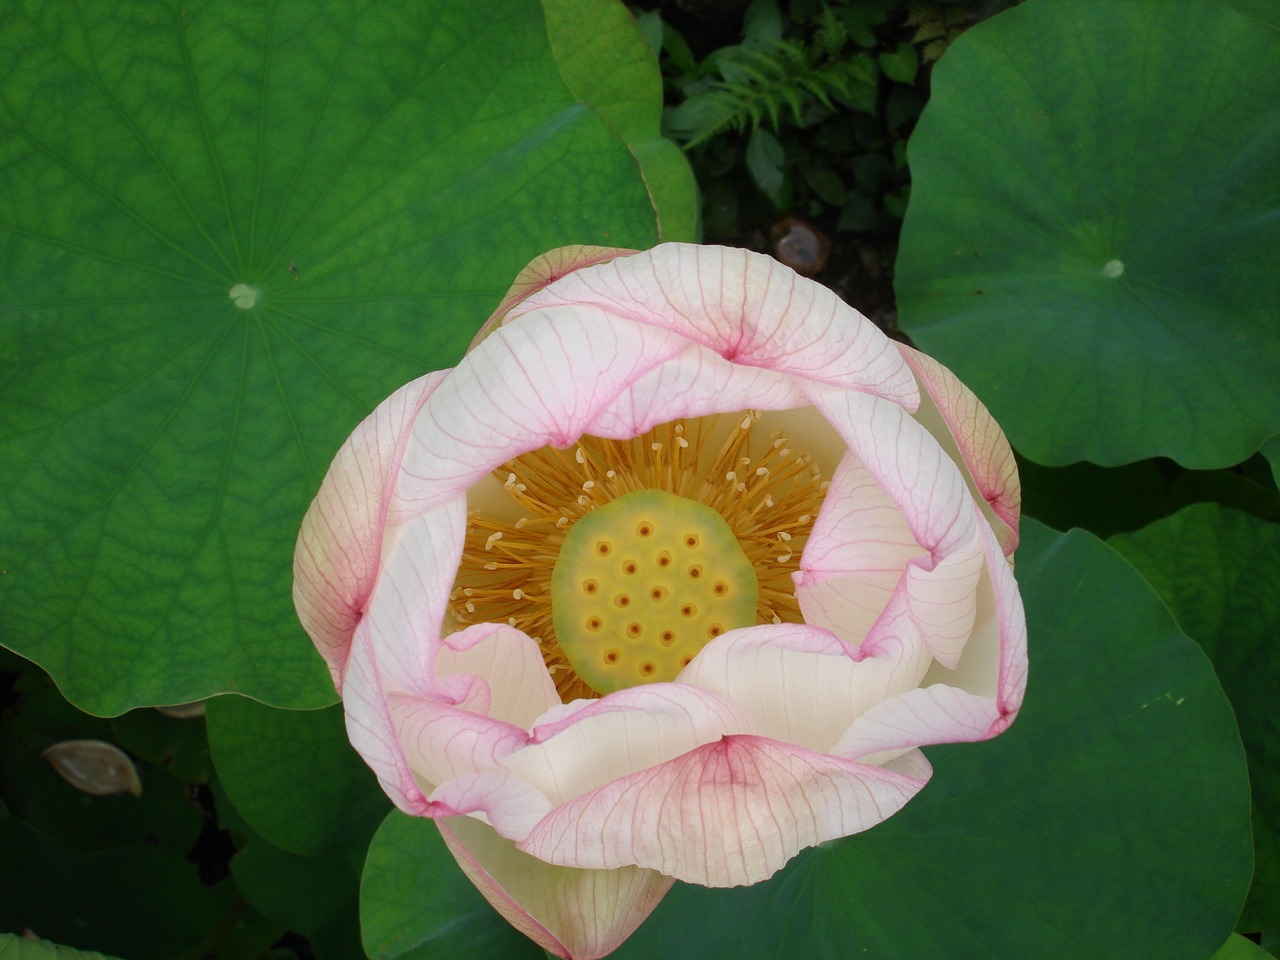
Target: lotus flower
(669,578)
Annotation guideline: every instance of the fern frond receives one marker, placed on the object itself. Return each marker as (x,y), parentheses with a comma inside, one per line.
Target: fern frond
(760,83)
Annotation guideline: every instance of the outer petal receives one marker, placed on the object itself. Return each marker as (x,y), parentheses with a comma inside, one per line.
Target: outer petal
(932,496)
(577,914)
(407,608)
(746,307)
(970,435)
(535,382)
(544,270)
(729,813)
(798,683)
(976,701)
(372,730)
(336,562)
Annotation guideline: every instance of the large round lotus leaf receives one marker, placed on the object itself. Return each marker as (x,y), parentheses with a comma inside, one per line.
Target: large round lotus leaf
(229,229)
(1093,239)
(1110,821)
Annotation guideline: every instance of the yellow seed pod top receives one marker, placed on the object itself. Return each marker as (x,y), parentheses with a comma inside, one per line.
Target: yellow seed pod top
(643,583)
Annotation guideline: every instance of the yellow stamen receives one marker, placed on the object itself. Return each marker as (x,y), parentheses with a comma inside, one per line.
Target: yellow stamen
(768,503)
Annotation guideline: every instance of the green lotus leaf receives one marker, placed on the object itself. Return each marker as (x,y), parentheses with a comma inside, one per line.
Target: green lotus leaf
(1093,238)
(1217,570)
(229,229)
(1111,820)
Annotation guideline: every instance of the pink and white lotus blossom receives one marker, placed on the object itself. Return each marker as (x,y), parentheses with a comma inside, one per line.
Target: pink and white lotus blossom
(670,578)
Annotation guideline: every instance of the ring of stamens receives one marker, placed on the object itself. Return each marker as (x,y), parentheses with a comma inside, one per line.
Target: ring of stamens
(766,494)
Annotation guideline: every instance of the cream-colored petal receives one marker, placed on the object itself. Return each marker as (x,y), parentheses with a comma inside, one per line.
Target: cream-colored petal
(695,383)
(629,730)
(799,684)
(514,685)
(970,435)
(537,381)
(336,562)
(748,308)
(731,812)
(542,271)
(934,501)
(856,555)
(575,914)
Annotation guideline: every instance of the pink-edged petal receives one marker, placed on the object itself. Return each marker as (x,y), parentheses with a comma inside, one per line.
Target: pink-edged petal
(798,683)
(695,383)
(968,432)
(336,561)
(926,715)
(748,308)
(442,742)
(544,270)
(372,730)
(933,499)
(510,805)
(977,700)
(729,813)
(575,914)
(512,682)
(856,554)
(419,561)
(533,382)
(614,736)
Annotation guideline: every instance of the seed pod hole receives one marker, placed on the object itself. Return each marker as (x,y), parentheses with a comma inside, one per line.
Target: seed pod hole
(622,600)
(589,587)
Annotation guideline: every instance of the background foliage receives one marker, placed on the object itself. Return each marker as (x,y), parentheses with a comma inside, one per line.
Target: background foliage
(231,228)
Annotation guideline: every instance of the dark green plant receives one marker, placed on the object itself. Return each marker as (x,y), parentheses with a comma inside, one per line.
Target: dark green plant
(809,112)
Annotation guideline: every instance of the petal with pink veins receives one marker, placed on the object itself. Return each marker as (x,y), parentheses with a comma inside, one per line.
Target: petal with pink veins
(339,546)
(856,554)
(970,435)
(695,383)
(442,742)
(934,501)
(576,914)
(748,308)
(409,604)
(371,729)
(617,735)
(544,270)
(509,667)
(534,382)
(729,813)
(507,803)
(777,673)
